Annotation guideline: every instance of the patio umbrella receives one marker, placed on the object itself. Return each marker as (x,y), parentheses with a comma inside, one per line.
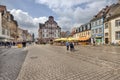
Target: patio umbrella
(72,39)
(60,39)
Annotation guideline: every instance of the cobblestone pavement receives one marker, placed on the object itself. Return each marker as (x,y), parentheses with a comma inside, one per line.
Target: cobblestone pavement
(11,60)
(47,62)
(2,50)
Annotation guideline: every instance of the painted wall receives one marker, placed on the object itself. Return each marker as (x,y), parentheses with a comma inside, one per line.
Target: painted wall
(114,29)
(97,25)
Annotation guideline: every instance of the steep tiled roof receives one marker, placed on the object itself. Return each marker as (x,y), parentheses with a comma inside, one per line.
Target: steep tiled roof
(101,13)
(113,12)
(41,25)
(2,8)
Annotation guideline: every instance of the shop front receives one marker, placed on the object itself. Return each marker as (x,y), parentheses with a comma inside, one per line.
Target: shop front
(85,40)
(97,39)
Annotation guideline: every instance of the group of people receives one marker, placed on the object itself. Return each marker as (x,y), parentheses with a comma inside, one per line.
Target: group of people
(70,46)
(10,44)
(7,44)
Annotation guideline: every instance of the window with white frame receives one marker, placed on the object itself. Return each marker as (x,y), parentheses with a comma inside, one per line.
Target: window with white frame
(96,30)
(84,28)
(8,32)
(117,35)
(43,35)
(93,31)
(46,35)
(117,23)
(80,29)
(96,23)
(100,22)
(3,31)
(88,33)
(57,31)
(43,30)
(106,34)
(88,27)
(55,35)
(106,25)
(47,30)
(92,23)
(100,30)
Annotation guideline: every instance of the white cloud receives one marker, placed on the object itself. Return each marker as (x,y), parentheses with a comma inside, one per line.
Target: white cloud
(25,21)
(70,13)
(74,12)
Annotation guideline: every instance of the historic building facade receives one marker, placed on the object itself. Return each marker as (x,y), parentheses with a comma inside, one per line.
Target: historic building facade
(4,29)
(97,26)
(112,25)
(20,34)
(83,33)
(8,26)
(49,30)
(105,26)
(24,35)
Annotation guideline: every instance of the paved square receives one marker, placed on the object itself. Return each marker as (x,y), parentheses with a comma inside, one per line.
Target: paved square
(46,62)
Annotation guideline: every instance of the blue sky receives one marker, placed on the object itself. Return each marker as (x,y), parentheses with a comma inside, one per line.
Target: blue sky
(67,13)
(34,9)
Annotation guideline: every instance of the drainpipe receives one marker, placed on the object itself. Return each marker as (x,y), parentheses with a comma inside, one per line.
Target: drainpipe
(103,17)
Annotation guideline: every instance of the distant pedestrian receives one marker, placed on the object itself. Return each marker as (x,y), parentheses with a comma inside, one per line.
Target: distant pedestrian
(71,46)
(94,43)
(67,45)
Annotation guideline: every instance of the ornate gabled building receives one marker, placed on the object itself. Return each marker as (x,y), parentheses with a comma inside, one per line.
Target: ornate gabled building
(49,30)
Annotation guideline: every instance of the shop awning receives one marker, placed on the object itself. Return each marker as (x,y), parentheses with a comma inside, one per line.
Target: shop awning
(66,39)
(84,38)
(61,39)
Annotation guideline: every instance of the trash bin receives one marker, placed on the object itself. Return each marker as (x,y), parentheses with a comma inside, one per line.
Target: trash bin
(19,45)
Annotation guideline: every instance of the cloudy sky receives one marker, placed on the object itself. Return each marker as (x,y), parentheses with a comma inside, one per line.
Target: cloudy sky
(67,13)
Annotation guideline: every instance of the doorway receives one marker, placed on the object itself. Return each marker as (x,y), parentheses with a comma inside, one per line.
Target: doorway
(106,40)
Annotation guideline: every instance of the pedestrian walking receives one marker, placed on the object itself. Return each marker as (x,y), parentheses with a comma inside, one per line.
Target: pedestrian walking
(67,45)
(71,46)
(94,43)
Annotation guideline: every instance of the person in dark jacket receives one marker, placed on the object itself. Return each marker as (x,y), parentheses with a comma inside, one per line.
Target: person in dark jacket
(71,46)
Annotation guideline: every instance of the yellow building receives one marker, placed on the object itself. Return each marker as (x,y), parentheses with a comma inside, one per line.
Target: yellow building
(83,33)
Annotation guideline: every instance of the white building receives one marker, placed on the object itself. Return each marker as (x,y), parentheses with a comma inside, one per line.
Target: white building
(112,25)
(49,31)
